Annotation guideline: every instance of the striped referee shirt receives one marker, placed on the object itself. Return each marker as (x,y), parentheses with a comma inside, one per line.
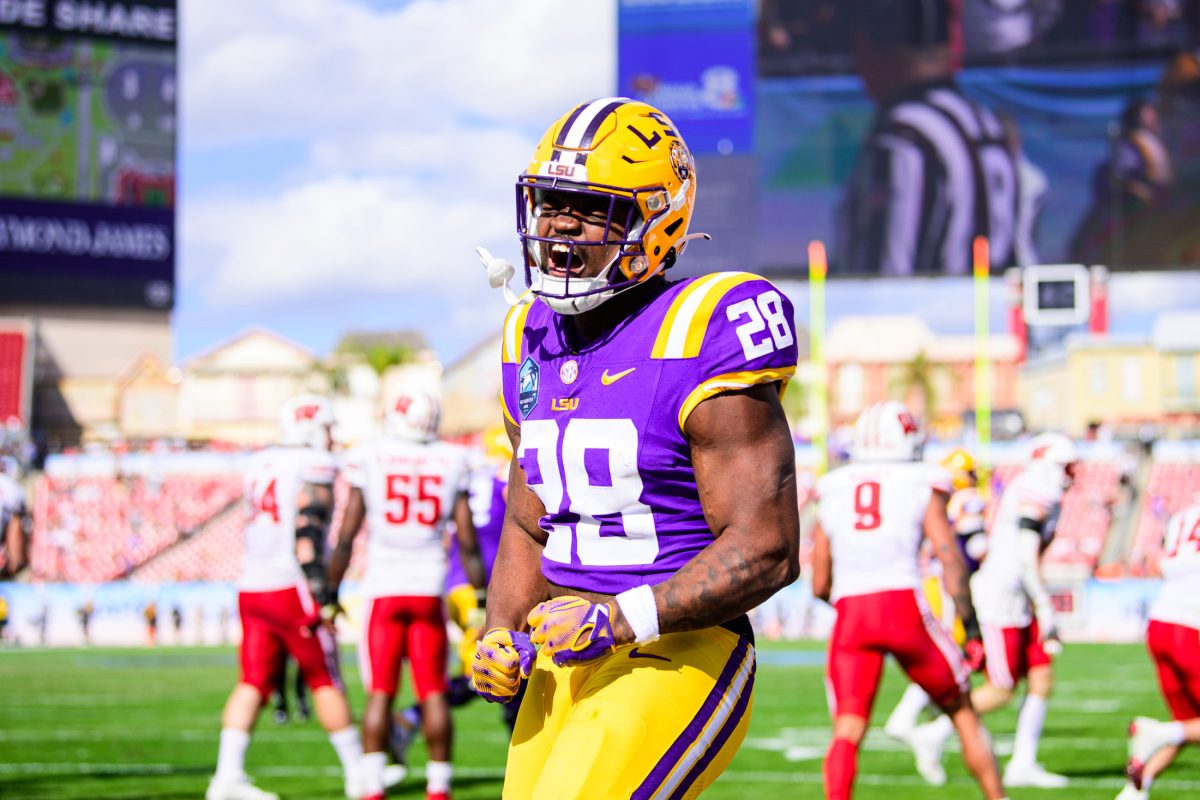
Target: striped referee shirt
(934,172)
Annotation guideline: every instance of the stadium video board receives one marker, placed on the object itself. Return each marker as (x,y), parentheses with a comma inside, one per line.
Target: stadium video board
(894,131)
(87,152)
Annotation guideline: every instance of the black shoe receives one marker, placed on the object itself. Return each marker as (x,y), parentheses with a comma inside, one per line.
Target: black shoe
(280,716)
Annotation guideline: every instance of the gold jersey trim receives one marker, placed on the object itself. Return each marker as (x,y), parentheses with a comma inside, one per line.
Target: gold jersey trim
(514,330)
(733,380)
(686,321)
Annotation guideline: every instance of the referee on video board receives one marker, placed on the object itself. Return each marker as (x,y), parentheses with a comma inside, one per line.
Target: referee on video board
(936,169)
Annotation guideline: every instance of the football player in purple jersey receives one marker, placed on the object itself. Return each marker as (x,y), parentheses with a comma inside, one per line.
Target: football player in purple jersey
(652,494)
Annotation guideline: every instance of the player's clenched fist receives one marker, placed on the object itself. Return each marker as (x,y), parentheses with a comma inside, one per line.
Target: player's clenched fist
(572,629)
(503,658)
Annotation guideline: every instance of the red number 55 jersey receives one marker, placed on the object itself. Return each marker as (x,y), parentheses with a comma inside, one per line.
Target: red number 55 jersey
(873,515)
(409,489)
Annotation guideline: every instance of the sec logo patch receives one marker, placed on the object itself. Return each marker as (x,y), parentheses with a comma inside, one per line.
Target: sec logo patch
(569,371)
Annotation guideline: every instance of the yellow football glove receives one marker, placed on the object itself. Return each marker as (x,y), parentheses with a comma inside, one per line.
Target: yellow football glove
(503,658)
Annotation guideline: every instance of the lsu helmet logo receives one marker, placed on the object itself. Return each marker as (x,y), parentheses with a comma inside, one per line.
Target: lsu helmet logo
(681,160)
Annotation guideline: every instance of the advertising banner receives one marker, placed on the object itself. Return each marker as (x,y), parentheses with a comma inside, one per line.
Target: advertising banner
(87,152)
(897,133)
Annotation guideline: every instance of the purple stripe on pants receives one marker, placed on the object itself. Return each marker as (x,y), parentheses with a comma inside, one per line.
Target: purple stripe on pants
(694,728)
(727,730)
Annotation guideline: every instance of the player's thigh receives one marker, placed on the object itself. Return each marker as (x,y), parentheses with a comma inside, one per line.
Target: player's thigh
(927,653)
(1035,654)
(262,650)
(656,720)
(1188,657)
(427,645)
(381,645)
(852,670)
(1002,654)
(1177,659)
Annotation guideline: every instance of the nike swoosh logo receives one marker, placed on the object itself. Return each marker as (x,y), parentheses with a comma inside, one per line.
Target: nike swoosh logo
(635,653)
(609,380)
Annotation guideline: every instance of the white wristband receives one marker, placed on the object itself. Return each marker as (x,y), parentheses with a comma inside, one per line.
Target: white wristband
(640,610)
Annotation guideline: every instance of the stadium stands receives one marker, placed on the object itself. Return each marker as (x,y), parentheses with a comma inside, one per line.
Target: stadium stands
(1170,485)
(93,528)
(214,553)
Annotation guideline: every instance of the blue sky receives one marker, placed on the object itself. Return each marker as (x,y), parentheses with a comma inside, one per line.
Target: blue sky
(340,160)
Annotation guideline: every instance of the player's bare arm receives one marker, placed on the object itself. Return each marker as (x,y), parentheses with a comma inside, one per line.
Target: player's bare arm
(315,504)
(1030,544)
(745,469)
(517,581)
(822,564)
(468,542)
(945,548)
(352,520)
(15,545)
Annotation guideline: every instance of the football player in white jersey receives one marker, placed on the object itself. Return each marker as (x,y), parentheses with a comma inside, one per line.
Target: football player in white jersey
(12,517)
(1015,613)
(283,598)
(408,486)
(872,515)
(1173,638)
(966,513)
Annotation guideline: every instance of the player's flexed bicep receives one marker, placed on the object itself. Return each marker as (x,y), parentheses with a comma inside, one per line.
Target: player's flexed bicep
(745,470)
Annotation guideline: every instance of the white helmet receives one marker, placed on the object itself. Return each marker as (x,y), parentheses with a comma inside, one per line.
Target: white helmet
(413,415)
(886,432)
(305,421)
(1054,456)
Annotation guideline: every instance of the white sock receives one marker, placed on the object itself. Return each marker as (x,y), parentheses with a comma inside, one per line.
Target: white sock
(231,757)
(437,776)
(348,746)
(371,769)
(1029,731)
(910,707)
(1176,732)
(942,728)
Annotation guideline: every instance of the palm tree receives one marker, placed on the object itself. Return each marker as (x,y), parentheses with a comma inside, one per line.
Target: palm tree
(918,375)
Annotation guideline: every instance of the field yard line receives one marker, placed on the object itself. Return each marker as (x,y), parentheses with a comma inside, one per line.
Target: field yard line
(185,735)
(788,738)
(879,741)
(748,776)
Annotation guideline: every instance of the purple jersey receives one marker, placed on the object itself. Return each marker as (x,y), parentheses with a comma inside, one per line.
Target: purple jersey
(485,495)
(602,441)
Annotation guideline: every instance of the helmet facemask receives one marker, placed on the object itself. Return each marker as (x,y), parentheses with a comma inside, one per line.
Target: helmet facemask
(621,213)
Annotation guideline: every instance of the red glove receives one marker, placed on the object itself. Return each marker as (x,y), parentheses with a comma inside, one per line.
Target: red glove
(975,656)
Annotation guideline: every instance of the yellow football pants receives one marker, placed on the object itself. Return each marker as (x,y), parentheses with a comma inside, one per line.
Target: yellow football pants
(661,720)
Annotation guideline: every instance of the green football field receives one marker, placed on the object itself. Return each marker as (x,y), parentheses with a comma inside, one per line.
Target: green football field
(128,723)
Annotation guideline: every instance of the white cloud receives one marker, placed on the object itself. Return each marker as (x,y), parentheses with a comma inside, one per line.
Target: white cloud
(414,123)
(286,69)
(342,234)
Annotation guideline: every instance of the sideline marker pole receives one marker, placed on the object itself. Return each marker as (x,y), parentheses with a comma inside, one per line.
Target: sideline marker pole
(818,388)
(983,366)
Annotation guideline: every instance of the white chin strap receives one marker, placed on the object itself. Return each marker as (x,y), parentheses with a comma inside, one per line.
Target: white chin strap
(553,292)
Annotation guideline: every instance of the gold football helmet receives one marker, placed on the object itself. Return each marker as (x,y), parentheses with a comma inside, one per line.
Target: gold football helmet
(961,466)
(630,158)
